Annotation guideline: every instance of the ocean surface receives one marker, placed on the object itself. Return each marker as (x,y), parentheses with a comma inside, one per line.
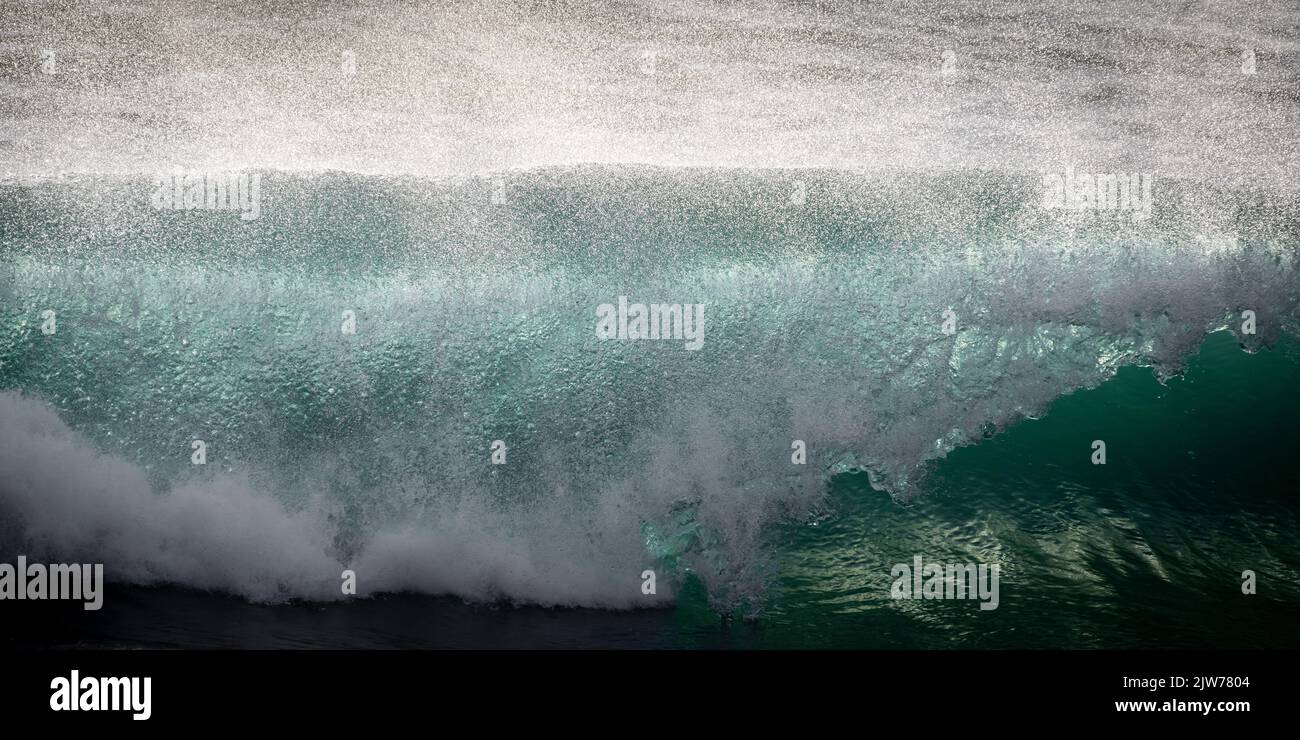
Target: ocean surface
(446,195)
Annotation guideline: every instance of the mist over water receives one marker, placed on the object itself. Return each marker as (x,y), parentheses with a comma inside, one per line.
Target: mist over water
(452,88)
(486,175)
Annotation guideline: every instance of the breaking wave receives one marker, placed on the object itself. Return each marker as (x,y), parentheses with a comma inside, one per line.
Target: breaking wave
(474,301)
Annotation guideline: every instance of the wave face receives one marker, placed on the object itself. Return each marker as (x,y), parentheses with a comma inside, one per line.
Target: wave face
(475,304)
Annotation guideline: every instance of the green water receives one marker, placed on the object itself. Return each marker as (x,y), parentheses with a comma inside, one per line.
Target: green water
(1144,551)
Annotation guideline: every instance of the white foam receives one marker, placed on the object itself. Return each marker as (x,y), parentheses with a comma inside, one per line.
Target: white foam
(62,499)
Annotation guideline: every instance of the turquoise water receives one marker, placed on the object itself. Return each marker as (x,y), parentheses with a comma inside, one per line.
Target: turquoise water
(371,452)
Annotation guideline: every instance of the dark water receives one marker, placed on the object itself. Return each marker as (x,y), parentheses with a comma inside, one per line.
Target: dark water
(1145,551)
